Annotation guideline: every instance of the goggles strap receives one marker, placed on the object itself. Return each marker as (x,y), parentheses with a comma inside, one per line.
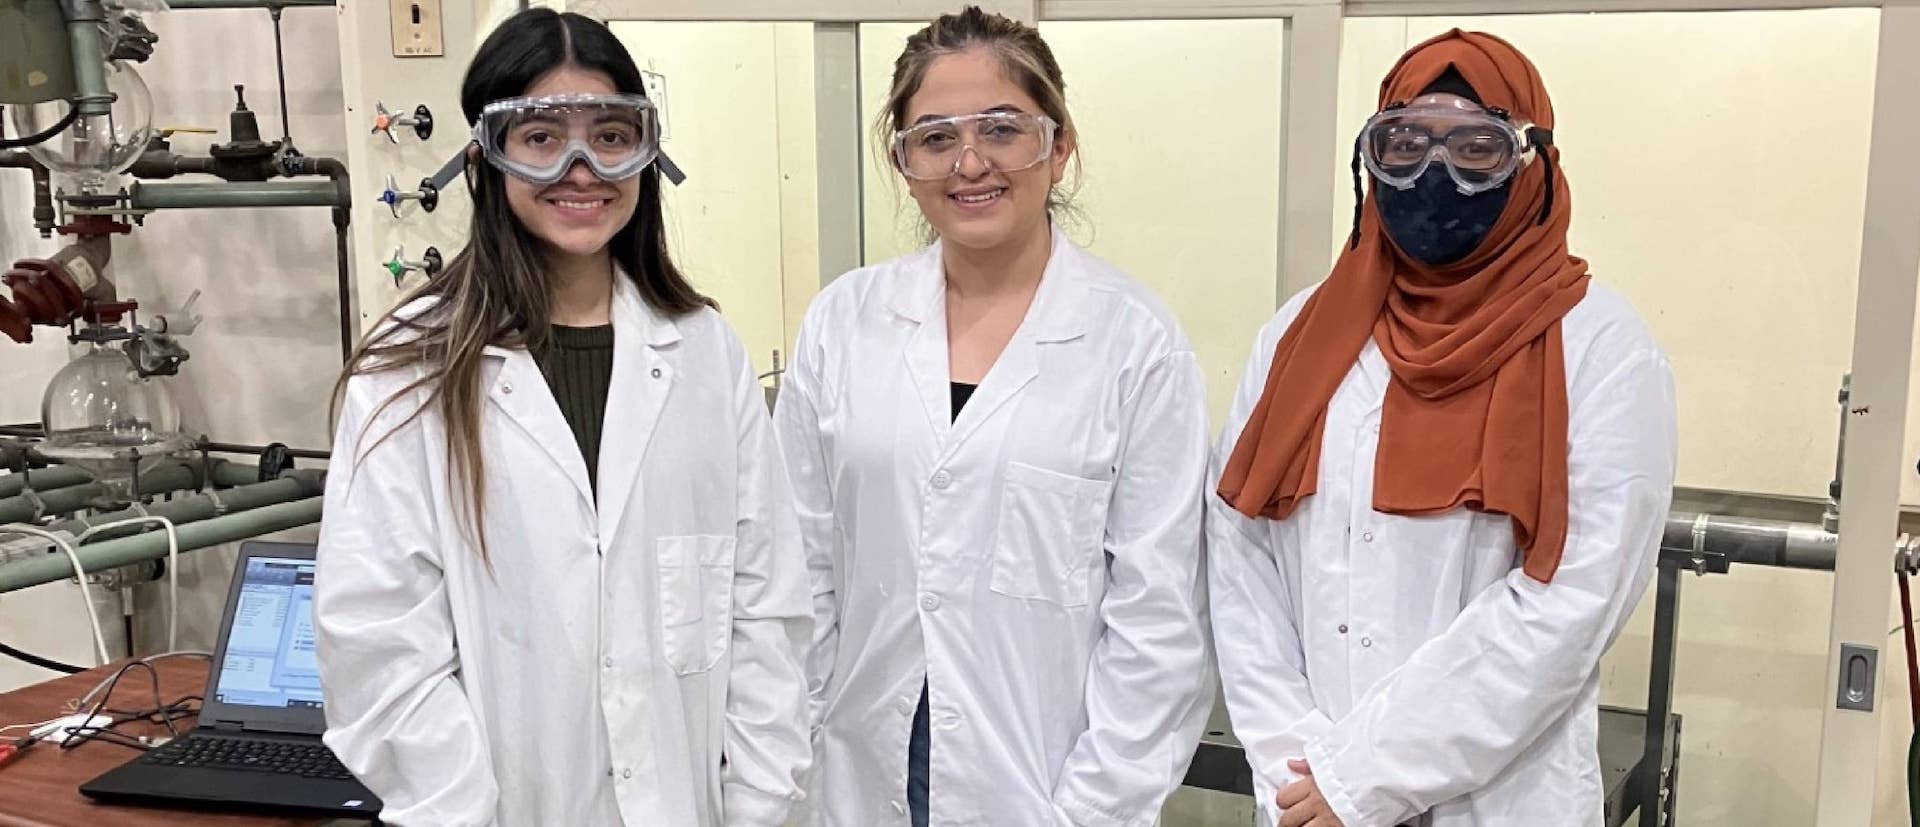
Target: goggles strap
(1359,194)
(1541,139)
(669,168)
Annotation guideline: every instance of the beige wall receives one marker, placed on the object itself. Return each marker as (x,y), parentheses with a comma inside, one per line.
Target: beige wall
(739,122)
(1686,140)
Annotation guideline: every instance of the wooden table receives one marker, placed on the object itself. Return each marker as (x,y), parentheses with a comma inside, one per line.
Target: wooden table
(41,788)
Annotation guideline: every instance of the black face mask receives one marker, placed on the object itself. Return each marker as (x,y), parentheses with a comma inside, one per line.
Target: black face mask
(1434,222)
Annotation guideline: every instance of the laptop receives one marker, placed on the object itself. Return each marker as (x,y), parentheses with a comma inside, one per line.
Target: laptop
(258,743)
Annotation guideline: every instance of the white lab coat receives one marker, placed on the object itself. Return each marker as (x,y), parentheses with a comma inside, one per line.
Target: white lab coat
(1407,659)
(636,663)
(1038,561)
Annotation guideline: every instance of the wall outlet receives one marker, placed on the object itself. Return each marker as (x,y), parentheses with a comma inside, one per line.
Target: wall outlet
(416,28)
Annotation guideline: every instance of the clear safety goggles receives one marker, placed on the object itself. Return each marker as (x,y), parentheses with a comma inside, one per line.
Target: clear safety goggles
(1005,141)
(537,139)
(1481,148)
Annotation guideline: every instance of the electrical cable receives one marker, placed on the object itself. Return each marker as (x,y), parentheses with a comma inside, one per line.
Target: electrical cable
(173,570)
(43,663)
(73,114)
(1913,700)
(97,688)
(79,573)
(79,735)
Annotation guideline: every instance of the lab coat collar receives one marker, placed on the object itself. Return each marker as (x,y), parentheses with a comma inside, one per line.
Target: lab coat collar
(1059,313)
(918,291)
(643,372)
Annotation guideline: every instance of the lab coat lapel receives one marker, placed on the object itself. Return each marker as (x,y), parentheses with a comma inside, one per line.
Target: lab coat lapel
(1058,314)
(520,391)
(643,376)
(919,296)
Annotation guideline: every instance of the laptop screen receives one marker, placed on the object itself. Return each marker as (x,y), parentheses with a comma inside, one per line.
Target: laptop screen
(269,658)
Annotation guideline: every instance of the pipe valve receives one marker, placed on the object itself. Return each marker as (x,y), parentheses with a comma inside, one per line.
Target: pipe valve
(428,196)
(385,121)
(399,266)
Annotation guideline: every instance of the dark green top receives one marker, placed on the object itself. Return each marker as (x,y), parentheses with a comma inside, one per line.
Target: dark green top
(578,364)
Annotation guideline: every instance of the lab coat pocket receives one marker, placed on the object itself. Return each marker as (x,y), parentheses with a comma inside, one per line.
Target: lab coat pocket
(696,600)
(1052,526)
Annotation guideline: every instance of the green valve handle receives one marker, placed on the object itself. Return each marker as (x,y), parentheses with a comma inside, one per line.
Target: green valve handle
(399,266)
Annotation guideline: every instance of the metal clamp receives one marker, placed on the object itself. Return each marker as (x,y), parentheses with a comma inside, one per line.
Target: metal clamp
(213,496)
(39,505)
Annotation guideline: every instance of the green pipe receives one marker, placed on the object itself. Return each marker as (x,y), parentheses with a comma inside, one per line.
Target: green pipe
(146,196)
(110,554)
(244,4)
(204,507)
(43,479)
(166,478)
(89,56)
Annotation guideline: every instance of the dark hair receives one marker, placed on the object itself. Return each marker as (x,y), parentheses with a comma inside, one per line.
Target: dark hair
(497,290)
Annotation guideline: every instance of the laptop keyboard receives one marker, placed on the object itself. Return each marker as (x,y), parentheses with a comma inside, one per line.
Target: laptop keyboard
(276,757)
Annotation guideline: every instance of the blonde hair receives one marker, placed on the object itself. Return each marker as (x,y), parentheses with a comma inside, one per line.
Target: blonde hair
(1023,55)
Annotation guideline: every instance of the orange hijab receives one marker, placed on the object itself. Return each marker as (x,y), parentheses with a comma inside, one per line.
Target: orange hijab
(1476,412)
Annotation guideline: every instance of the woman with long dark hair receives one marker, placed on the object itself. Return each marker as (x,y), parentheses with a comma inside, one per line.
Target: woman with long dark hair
(559,574)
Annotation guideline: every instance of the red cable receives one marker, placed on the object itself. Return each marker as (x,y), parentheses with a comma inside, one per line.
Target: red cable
(1913,664)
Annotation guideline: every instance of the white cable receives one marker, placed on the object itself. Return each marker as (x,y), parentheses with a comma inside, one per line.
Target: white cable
(79,573)
(173,570)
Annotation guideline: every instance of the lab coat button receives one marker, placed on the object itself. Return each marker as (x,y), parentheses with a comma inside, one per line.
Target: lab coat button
(506,388)
(930,602)
(1367,536)
(942,479)
(1343,628)
(1366,642)
(609,663)
(656,373)
(626,774)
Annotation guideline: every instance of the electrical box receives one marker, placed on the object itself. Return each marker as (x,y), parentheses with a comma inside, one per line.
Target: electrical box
(416,28)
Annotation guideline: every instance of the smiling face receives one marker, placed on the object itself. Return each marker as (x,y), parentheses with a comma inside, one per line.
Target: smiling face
(579,214)
(983,205)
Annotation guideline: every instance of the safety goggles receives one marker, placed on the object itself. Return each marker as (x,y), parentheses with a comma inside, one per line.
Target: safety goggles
(1481,148)
(537,139)
(1006,141)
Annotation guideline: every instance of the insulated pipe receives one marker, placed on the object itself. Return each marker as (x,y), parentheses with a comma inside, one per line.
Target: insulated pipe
(152,545)
(43,479)
(43,502)
(206,507)
(1756,542)
(236,194)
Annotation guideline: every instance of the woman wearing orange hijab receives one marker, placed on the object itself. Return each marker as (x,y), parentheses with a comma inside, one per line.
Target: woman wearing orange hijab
(1442,483)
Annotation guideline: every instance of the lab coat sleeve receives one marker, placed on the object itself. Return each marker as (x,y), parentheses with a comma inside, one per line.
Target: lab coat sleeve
(797,422)
(397,714)
(766,745)
(1467,703)
(1150,685)
(1263,663)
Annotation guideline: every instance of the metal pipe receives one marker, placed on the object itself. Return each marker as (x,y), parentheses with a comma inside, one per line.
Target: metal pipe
(145,196)
(152,545)
(245,4)
(43,479)
(344,276)
(84,18)
(1755,542)
(165,164)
